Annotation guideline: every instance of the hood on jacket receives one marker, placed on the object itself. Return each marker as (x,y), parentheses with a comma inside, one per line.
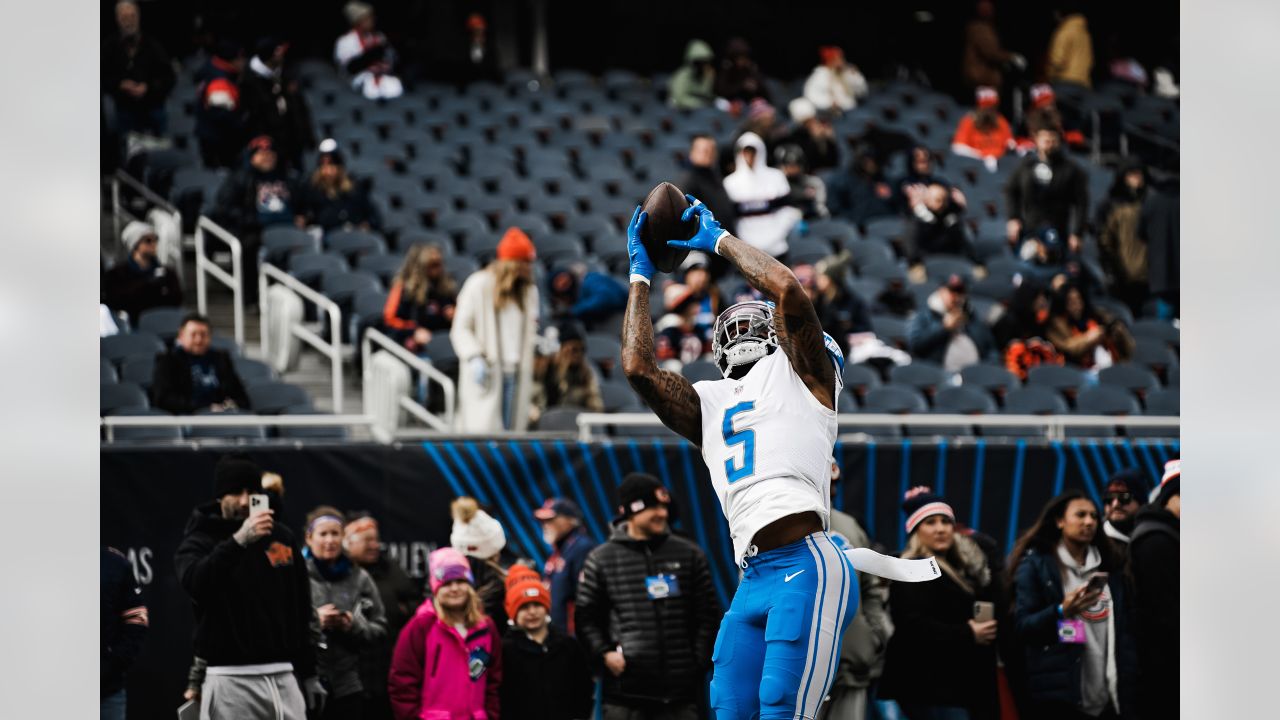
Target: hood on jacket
(1092,561)
(698,50)
(1156,514)
(753,141)
(756,182)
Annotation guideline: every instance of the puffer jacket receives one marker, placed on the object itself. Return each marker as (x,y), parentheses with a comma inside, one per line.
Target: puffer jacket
(666,642)
(437,674)
(352,591)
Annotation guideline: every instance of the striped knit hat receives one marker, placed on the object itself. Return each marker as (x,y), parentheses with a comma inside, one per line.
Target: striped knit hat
(920,502)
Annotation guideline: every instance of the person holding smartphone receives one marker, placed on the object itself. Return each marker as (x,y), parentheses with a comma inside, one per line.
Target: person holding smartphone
(1071,615)
(941,660)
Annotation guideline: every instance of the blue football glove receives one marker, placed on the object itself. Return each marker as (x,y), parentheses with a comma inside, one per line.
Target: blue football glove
(709,230)
(642,268)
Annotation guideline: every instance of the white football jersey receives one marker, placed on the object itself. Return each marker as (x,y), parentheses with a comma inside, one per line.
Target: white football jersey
(767,443)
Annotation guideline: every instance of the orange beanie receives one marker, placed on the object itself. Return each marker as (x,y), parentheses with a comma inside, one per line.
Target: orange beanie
(525,592)
(515,245)
(520,573)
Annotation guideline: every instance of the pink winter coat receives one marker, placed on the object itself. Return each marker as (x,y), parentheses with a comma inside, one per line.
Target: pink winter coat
(436,674)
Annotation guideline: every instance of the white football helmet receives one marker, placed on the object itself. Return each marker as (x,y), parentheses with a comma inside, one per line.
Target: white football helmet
(742,335)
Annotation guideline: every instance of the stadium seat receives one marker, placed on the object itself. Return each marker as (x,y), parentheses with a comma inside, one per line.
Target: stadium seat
(940,267)
(1034,400)
(483,247)
(884,228)
(310,267)
(859,378)
(833,231)
(888,271)
(895,399)
(964,400)
(458,225)
(605,351)
(144,434)
(925,376)
(560,419)
(892,330)
(281,241)
(384,267)
(1154,354)
(1163,401)
(270,398)
(872,252)
(332,432)
(557,247)
(1066,380)
(1156,329)
(1006,266)
(701,370)
(163,321)
(1134,378)
(617,395)
(116,348)
(993,287)
(442,354)
(460,266)
(253,371)
(350,243)
(120,395)
(807,251)
(138,369)
(994,379)
(419,236)
(341,286)
(1104,399)
(107,372)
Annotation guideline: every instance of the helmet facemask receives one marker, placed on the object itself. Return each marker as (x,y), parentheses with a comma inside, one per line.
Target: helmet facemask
(742,335)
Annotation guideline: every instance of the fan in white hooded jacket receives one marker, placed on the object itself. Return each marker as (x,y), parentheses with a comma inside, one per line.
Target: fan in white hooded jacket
(753,188)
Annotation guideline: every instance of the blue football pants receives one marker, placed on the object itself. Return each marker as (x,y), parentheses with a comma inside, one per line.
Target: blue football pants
(779,644)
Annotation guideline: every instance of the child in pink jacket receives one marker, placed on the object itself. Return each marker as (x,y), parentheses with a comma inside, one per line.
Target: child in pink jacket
(448,660)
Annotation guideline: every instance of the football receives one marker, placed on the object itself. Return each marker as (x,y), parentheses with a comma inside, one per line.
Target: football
(664,204)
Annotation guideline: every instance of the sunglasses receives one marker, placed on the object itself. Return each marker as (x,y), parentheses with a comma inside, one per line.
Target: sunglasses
(1122,498)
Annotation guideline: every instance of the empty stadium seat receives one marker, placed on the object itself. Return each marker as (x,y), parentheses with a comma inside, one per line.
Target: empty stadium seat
(350,243)
(1134,378)
(107,372)
(1104,399)
(617,395)
(560,419)
(441,352)
(138,369)
(1066,380)
(925,376)
(384,267)
(144,434)
(896,399)
(163,321)
(120,395)
(892,330)
(281,241)
(1163,401)
(873,252)
(557,247)
(1156,329)
(995,379)
(1154,354)
(605,351)
(271,397)
(253,371)
(939,267)
(859,378)
(964,400)
(701,370)
(116,348)
(1034,400)
(310,267)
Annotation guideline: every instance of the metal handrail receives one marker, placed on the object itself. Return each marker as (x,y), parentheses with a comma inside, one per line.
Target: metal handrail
(1054,424)
(206,265)
(154,421)
(331,349)
(373,336)
(120,177)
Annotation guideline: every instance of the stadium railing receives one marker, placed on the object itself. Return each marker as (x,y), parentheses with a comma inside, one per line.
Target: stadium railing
(331,348)
(110,422)
(170,254)
(384,432)
(205,265)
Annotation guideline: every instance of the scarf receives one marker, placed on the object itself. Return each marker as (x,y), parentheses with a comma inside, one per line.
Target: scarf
(330,570)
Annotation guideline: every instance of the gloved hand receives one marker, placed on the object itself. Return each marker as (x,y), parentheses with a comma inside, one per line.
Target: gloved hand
(642,268)
(479,370)
(315,694)
(709,231)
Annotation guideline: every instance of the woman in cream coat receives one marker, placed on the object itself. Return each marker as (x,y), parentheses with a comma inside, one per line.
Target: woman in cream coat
(493,331)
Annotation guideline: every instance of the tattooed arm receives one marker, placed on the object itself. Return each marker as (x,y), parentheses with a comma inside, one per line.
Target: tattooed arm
(668,394)
(794,319)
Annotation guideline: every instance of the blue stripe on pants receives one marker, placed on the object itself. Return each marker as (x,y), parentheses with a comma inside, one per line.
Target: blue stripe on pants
(779,644)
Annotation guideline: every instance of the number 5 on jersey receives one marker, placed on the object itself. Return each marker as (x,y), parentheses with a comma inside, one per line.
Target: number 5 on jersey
(745,437)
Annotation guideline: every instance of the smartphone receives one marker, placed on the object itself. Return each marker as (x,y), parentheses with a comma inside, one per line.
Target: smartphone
(258,503)
(1097,582)
(984,611)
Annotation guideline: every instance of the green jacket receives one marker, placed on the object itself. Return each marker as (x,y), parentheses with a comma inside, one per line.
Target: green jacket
(688,90)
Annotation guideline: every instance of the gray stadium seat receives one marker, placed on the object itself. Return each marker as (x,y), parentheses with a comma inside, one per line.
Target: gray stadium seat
(350,243)
(107,372)
(120,395)
(281,241)
(557,247)
(144,434)
(1164,401)
(270,398)
(385,267)
(994,379)
(1066,380)
(1103,399)
(896,399)
(617,395)
(872,252)
(560,419)
(1034,400)
(939,267)
(310,267)
(605,351)
(139,369)
(925,376)
(964,400)
(892,330)
(253,371)
(1156,329)
(859,378)
(441,352)
(163,321)
(1134,378)
(701,370)
(118,347)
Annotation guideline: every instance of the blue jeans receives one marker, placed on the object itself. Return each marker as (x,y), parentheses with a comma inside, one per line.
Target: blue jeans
(508,398)
(424,382)
(113,706)
(779,644)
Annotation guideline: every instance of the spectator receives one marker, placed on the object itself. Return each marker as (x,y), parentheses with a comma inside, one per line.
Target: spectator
(273,104)
(1047,262)
(703,291)
(862,649)
(252,603)
(137,74)
(814,135)
(568,380)
(1022,329)
(761,118)
(984,133)
(692,86)
(366,55)
(1044,113)
(545,673)
(140,282)
(863,192)
(647,610)
(448,659)
(349,610)
(193,376)
(1160,226)
(946,331)
(333,199)
(220,118)
(739,80)
(808,193)
(420,304)
(678,340)
(937,223)
(1123,249)
(921,174)
(562,530)
(478,536)
(840,311)
(834,84)
(261,194)
(935,620)
(1085,336)
(757,189)
(122,626)
(985,59)
(493,336)
(1079,651)
(1153,566)
(1070,50)
(578,293)
(480,65)
(400,596)
(1047,189)
(895,299)
(702,180)
(1121,501)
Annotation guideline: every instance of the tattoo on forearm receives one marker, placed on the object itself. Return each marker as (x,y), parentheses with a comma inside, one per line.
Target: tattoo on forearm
(668,394)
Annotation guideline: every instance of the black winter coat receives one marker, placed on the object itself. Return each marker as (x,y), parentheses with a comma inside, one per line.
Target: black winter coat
(401,595)
(171,381)
(706,184)
(148,64)
(252,604)
(1153,567)
(666,642)
(548,681)
(129,288)
(1053,668)
(1061,203)
(275,107)
(123,622)
(932,657)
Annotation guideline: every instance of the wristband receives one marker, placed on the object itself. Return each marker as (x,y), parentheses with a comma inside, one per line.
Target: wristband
(716,247)
(637,277)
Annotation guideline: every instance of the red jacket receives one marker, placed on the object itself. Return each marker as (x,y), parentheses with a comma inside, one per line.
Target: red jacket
(436,674)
